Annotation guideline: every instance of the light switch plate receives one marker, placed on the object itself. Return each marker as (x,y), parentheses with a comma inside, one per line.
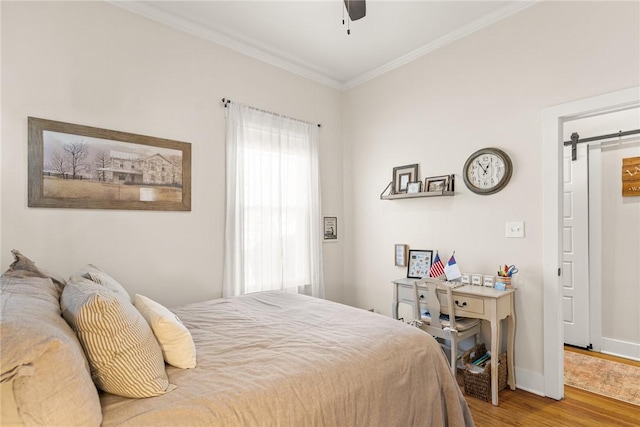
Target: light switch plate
(514,229)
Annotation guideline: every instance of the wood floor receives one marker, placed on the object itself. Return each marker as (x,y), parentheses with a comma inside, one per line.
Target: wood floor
(578,408)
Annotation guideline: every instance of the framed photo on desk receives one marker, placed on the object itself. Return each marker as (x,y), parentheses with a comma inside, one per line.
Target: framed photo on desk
(419,263)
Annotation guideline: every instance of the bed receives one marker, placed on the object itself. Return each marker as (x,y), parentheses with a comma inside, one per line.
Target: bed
(264,359)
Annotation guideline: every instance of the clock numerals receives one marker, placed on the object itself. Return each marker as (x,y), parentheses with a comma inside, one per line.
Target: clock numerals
(487,171)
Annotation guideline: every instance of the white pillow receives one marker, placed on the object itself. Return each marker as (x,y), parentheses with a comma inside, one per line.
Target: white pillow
(174,338)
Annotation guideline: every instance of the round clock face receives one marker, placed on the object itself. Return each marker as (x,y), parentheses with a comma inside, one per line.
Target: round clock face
(487,171)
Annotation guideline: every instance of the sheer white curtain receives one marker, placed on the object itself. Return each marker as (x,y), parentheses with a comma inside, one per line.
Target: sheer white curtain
(273,237)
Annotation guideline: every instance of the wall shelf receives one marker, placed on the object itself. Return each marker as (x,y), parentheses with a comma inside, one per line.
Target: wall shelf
(386,193)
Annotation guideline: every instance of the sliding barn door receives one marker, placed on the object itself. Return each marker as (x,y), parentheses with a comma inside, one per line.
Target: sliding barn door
(575,239)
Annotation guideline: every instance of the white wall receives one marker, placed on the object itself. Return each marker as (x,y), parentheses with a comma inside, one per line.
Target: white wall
(488,89)
(94,64)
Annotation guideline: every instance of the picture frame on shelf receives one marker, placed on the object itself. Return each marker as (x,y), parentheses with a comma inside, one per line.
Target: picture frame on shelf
(419,263)
(414,187)
(465,278)
(402,176)
(436,183)
(401,252)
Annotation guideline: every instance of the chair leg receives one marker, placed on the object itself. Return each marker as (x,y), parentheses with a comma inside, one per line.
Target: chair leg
(454,354)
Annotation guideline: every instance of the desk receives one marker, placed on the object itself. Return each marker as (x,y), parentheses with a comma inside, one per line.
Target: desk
(476,302)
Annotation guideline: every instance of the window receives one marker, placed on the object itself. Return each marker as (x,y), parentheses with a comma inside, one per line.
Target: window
(273,230)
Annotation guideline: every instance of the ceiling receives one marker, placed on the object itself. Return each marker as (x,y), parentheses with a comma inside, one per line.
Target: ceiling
(308,37)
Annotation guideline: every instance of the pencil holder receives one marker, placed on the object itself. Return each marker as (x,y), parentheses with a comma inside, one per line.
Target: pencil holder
(505,280)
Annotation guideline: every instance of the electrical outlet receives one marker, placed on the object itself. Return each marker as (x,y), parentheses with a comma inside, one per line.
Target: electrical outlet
(514,229)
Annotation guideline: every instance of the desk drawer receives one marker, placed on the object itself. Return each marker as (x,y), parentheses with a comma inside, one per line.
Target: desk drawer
(464,304)
(467,305)
(405,294)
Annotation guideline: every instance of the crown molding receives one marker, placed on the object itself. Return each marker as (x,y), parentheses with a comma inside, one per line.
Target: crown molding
(294,65)
(277,59)
(469,29)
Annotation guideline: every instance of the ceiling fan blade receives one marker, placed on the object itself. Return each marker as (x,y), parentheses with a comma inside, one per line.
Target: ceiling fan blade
(357,9)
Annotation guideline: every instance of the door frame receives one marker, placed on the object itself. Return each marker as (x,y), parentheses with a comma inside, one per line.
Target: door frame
(552,173)
(595,245)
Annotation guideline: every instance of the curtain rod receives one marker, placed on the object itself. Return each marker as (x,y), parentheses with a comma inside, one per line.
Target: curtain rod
(227,101)
(575,140)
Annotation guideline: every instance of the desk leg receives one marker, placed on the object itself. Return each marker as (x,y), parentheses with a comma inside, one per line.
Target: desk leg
(495,352)
(394,307)
(511,335)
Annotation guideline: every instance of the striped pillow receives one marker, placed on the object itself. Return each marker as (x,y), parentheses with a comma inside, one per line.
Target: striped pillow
(123,354)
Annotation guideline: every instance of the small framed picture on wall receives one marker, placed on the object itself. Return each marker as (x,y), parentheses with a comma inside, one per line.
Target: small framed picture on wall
(330,229)
(401,255)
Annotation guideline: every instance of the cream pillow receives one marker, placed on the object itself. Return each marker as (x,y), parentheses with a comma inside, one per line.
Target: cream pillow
(124,356)
(174,338)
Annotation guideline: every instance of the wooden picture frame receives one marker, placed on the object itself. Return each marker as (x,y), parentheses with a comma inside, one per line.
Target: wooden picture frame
(400,255)
(436,183)
(402,176)
(83,167)
(419,263)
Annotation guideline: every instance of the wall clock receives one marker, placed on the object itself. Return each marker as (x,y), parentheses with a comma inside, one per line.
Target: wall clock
(487,171)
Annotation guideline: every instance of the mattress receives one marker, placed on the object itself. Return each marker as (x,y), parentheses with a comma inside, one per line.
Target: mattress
(281,359)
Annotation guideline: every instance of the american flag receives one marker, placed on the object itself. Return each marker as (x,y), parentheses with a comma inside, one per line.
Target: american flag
(437,268)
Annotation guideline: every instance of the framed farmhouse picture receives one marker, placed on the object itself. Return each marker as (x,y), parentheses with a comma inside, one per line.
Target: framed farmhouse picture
(75,166)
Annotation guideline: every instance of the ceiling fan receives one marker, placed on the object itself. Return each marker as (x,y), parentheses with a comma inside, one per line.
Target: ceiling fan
(356,9)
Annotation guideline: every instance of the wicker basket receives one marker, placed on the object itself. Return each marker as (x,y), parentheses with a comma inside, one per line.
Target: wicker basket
(478,384)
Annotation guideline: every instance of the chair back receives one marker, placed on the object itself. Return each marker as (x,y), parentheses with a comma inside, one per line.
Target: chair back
(426,291)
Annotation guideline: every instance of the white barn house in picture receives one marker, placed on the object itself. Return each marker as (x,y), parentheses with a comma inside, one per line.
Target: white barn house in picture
(130,168)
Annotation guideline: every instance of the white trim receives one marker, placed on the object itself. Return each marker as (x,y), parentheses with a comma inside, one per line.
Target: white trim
(553,118)
(469,29)
(627,350)
(595,245)
(280,59)
(529,381)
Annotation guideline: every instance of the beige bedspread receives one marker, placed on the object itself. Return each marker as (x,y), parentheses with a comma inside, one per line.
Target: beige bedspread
(278,359)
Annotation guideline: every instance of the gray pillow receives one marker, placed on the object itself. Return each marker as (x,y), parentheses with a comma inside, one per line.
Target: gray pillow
(123,353)
(42,360)
(98,276)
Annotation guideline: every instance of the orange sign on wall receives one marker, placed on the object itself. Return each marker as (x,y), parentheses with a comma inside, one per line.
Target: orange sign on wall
(631,176)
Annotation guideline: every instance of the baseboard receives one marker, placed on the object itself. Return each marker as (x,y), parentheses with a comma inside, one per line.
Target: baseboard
(530,381)
(628,350)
